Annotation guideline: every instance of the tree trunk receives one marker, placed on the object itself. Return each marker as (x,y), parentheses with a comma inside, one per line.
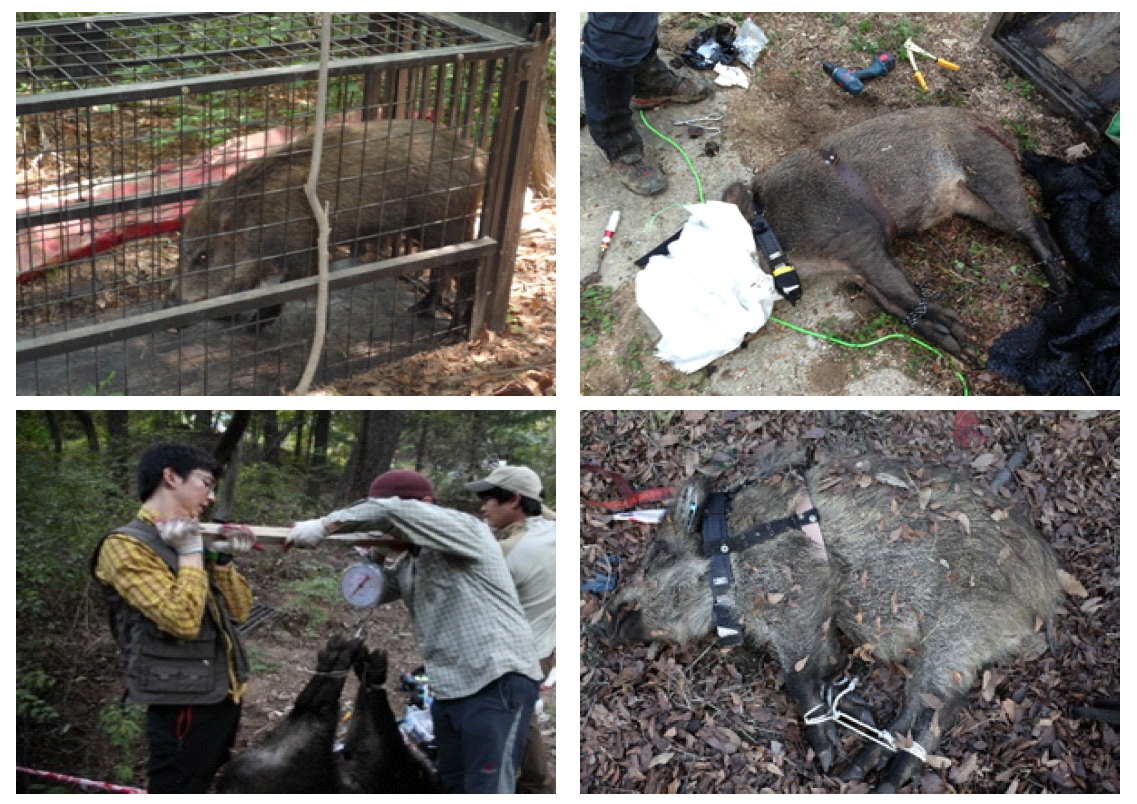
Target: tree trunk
(318,455)
(270,430)
(227,443)
(53,430)
(87,422)
(118,446)
(374,449)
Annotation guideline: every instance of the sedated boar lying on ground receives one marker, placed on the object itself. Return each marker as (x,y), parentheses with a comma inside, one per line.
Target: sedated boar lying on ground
(920,566)
(836,207)
(298,756)
(381,179)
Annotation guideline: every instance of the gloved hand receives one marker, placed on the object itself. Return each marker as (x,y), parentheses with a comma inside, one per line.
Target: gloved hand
(233,539)
(184,535)
(308,533)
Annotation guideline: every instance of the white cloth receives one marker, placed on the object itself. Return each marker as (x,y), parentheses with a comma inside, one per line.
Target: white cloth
(709,293)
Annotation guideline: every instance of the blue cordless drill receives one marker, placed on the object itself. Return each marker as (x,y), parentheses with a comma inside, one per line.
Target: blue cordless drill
(853,81)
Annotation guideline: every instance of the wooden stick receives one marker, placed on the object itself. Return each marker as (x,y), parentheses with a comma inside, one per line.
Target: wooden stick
(270,535)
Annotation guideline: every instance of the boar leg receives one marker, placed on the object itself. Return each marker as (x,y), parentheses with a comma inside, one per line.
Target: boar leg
(876,271)
(925,727)
(805,689)
(1003,206)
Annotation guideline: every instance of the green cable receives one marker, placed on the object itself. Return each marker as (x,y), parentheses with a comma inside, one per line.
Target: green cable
(702,200)
(851,345)
(675,145)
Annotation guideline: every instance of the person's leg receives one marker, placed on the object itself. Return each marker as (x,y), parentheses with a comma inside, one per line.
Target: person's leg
(534,775)
(656,83)
(483,735)
(446,716)
(612,45)
(189,744)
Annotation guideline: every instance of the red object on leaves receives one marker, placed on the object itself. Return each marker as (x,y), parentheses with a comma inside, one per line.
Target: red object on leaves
(631,497)
(965,431)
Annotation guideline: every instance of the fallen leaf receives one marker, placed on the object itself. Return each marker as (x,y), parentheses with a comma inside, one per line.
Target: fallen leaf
(1071,585)
(962,773)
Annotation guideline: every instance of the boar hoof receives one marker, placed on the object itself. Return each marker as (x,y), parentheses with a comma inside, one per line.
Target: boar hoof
(823,738)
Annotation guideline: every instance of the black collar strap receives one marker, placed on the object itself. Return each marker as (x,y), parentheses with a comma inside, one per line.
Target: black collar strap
(728,625)
(718,544)
(785,277)
(769,530)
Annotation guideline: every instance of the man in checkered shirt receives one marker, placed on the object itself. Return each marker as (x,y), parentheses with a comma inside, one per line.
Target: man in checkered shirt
(473,635)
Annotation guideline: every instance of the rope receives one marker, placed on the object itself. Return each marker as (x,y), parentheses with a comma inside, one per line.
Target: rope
(838,341)
(81,782)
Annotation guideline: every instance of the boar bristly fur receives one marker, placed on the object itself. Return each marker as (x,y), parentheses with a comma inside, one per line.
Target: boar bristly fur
(923,166)
(381,179)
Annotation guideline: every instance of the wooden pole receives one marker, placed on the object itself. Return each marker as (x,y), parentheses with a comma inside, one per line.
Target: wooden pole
(271,536)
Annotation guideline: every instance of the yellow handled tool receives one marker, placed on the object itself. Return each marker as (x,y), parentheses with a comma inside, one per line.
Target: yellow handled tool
(947,65)
(916,72)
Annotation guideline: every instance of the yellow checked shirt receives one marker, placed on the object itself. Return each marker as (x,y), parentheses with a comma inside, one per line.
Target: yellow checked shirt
(174,603)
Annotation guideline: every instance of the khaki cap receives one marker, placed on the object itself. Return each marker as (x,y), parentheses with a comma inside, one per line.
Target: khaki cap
(519,479)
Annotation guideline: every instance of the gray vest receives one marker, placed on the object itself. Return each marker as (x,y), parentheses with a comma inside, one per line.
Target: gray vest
(161,669)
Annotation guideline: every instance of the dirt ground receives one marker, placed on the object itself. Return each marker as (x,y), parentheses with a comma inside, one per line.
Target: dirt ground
(789,103)
(283,651)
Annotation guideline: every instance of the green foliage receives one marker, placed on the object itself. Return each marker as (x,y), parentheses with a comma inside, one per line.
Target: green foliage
(123,726)
(1021,87)
(596,314)
(1022,133)
(62,509)
(891,38)
(30,686)
(271,495)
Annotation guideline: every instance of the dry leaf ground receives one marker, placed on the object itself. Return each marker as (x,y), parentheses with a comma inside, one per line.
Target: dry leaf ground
(705,720)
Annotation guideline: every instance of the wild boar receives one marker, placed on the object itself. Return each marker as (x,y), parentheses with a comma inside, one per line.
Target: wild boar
(381,179)
(298,756)
(836,207)
(921,566)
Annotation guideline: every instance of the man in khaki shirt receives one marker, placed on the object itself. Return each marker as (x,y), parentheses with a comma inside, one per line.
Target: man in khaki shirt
(527,532)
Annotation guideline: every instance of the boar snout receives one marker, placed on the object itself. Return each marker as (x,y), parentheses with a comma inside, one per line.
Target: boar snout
(627,623)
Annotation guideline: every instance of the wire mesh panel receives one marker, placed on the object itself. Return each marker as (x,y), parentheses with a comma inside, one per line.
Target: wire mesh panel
(164,240)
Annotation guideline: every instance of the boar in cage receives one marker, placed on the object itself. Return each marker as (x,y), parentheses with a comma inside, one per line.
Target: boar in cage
(160,193)
(383,182)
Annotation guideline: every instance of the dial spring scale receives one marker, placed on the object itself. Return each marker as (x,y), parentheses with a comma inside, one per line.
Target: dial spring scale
(362,584)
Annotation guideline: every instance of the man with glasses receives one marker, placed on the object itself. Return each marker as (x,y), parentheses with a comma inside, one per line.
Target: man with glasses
(174,597)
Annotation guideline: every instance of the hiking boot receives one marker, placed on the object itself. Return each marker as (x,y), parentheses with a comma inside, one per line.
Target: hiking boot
(656,83)
(638,176)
